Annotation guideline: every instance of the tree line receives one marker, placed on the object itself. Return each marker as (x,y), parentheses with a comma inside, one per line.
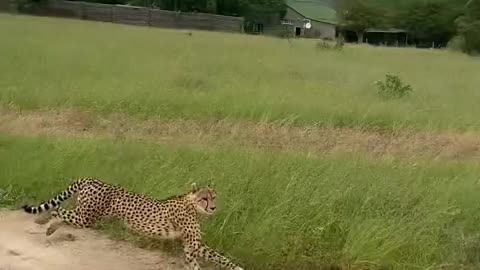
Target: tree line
(454,23)
(244,8)
(439,22)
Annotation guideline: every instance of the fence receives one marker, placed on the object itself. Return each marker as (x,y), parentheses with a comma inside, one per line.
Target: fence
(140,16)
(5,5)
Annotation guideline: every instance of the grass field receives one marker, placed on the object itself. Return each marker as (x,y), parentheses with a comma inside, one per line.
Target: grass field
(163,73)
(280,212)
(313,169)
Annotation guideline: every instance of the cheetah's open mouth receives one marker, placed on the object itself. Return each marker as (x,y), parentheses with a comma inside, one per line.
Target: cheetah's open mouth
(209,211)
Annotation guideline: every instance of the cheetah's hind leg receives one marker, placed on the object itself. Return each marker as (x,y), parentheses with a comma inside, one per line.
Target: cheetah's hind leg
(67,217)
(44,218)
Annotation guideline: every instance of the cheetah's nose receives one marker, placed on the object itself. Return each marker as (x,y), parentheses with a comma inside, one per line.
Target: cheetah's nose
(213,208)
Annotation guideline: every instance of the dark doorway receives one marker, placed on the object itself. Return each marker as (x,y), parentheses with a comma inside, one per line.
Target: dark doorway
(258,28)
(350,36)
(298,31)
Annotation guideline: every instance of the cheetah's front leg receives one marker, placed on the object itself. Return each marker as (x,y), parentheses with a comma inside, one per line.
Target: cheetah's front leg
(194,249)
(211,255)
(190,258)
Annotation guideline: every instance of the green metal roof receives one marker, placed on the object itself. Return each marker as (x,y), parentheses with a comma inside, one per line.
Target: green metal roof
(317,10)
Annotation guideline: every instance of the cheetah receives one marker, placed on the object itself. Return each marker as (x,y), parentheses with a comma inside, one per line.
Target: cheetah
(174,217)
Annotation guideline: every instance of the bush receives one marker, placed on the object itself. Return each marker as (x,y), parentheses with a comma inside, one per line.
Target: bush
(328,45)
(457,43)
(392,87)
(470,32)
(468,26)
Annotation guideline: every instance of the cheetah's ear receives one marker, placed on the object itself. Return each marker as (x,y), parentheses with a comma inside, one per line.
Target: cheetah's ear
(194,187)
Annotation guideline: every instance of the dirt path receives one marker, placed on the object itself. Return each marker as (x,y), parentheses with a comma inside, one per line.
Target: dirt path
(24,246)
(315,141)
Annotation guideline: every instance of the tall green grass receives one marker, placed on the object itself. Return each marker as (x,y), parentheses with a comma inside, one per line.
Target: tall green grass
(50,63)
(279,211)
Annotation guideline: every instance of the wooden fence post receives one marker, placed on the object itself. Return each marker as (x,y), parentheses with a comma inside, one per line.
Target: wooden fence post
(82,10)
(14,6)
(149,16)
(112,19)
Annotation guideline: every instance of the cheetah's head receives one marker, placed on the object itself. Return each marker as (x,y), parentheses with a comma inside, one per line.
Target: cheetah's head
(204,199)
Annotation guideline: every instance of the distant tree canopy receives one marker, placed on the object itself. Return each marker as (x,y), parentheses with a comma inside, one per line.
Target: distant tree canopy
(110,2)
(427,21)
(469,27)
(359,15)
(246,8)
(430,21)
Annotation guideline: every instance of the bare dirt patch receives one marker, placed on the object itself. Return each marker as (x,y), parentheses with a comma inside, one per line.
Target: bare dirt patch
(404,144)
(24,246)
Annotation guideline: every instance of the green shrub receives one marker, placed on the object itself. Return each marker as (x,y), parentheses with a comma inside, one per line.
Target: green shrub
(329,45)
(392,87)
(457,43)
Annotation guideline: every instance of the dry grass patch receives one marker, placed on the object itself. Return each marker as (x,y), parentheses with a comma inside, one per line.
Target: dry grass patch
(376,143)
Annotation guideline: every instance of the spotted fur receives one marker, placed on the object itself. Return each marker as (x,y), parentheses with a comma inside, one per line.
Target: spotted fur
(175,217)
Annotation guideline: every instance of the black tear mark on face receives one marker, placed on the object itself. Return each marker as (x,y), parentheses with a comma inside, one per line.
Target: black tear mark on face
(13,252)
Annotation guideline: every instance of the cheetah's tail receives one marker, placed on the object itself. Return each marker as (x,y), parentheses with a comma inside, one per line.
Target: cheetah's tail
(67,193)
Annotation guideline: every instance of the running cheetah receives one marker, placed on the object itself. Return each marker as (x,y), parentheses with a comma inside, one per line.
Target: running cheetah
(174,217)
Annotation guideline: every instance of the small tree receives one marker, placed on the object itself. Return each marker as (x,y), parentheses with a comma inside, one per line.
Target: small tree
(211,6)
(359,15)
(393,87)
(469,27)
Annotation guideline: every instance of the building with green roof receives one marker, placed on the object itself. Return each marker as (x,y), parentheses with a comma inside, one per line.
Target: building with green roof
(311,18)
